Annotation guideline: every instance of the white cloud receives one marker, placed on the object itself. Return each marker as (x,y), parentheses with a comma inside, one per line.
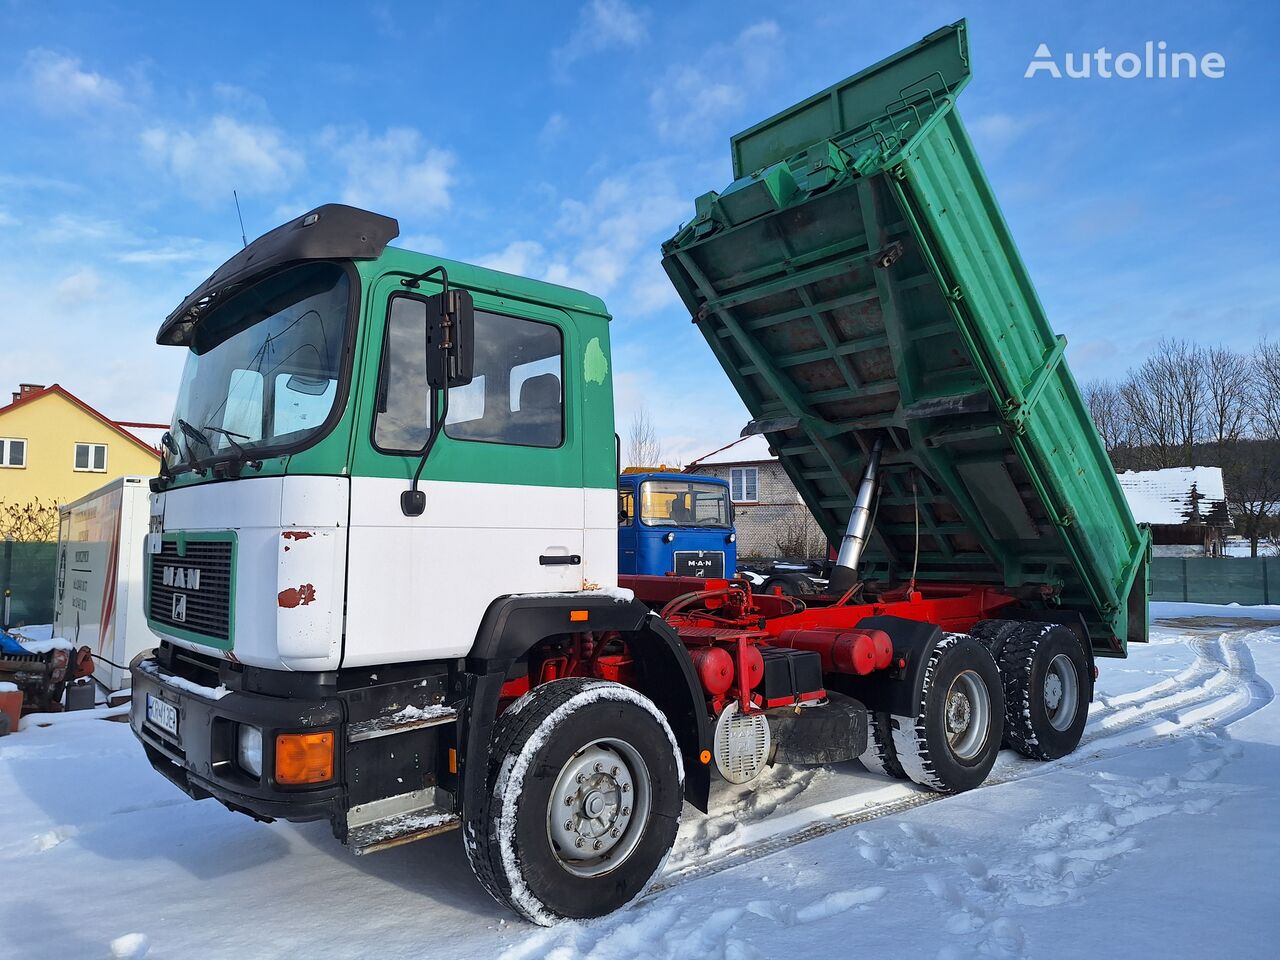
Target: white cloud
(225,154)
(995,131)
(80,287)
(602,25)
(524,258)
(552,130)
(59,85)
(420,243)
(7,219)
(690,102)
(395,173)
(605,243)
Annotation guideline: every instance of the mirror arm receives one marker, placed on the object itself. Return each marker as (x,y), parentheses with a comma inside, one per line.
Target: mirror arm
(413,502)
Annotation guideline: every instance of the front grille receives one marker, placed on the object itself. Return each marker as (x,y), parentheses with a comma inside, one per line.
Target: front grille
(207,604)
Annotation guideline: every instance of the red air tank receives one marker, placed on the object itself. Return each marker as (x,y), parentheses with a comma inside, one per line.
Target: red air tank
(843,651)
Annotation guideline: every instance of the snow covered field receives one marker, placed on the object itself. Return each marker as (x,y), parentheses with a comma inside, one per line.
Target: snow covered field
(1158,837)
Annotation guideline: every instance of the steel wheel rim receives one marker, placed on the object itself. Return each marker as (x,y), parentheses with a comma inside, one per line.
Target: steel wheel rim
(967,715)
(1061,692)
(599,807)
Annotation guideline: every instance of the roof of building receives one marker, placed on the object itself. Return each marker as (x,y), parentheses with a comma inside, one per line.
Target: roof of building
(1176,495)
(134,431)
(752,449)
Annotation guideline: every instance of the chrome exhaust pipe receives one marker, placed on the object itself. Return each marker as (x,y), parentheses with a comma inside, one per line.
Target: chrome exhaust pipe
(845,572)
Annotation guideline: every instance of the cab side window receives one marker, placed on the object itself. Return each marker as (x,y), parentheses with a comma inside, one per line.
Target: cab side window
(626,506)
(515,395)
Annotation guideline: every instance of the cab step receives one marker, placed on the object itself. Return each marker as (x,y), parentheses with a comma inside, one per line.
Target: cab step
(410,718)
(383,824)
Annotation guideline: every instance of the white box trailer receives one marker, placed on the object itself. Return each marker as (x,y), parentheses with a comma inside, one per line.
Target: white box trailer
(99,590)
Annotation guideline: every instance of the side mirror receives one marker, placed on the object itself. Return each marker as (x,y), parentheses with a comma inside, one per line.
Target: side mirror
(450,339)
(169,443)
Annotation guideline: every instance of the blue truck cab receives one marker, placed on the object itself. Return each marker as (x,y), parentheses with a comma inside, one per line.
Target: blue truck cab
(673,523)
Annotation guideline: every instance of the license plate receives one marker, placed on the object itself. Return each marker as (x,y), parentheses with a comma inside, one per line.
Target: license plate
(699,563)
(162,714)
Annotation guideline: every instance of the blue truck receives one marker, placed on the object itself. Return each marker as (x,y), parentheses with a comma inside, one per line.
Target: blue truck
(671,523)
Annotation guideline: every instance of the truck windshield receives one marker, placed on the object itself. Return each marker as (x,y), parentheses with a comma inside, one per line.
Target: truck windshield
(683,503)
(263,369)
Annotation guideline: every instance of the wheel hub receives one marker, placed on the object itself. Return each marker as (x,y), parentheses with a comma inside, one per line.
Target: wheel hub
(967,715)
(1052,691)
(597,808)
(959,711)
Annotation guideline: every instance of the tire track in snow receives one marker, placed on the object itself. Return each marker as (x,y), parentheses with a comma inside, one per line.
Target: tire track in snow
(1226,688)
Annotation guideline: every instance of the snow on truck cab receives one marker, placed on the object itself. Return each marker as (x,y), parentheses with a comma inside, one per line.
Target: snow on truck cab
(383,553)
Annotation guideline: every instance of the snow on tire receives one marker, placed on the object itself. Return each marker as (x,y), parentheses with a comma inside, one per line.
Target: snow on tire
(952,741)
(1046,680)
(583,801)
(880,756)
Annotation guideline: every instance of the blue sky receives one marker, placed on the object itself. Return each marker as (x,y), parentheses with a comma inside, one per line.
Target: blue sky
(566,141)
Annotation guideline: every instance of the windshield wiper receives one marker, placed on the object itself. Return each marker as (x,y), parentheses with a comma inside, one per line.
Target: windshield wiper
(241,452)
(191,433)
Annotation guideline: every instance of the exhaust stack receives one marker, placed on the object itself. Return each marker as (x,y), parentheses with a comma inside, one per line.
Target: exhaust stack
(845,572)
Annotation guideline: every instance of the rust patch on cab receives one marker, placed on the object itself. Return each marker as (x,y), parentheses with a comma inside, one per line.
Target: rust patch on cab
(297,535)
(296,596)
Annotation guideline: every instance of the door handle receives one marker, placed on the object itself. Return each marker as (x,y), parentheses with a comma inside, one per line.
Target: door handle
(559,559)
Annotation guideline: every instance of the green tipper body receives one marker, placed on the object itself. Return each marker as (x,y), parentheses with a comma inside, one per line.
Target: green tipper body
(858,281)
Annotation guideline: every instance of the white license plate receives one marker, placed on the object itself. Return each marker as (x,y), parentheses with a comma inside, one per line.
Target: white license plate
(162,714)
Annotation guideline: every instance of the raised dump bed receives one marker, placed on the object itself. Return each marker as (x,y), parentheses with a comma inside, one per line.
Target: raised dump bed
(857,281)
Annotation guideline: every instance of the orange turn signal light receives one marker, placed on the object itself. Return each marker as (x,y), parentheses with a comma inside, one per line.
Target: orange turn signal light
(577,616)
(304,758)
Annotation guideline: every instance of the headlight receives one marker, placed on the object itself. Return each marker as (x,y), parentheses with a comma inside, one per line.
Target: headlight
(668,537)
(731,538)
(249,750)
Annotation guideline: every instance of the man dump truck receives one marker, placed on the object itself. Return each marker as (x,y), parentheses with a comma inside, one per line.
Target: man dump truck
(671,523)
(383,549)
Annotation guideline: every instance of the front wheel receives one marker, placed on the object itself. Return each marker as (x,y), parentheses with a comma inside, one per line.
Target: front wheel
(586,787)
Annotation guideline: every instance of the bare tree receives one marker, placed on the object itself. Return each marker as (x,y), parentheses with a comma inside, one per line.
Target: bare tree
(1228,389)
(1110,416)
(644,449)
(1165,398)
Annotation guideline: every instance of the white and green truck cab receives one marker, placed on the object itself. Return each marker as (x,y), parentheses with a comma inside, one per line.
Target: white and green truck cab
(347,565)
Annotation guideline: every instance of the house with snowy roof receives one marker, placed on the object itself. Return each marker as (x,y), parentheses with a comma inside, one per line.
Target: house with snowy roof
(1185,506)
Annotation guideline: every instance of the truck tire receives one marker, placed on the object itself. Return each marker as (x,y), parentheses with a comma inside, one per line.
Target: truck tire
(1046,690)
(583,801)
(993,634)
(880,756)
(952,741)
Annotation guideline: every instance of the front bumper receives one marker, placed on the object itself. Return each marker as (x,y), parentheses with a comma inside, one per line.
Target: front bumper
(201,759)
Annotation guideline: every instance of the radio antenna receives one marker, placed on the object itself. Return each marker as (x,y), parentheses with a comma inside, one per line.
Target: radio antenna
(240,216)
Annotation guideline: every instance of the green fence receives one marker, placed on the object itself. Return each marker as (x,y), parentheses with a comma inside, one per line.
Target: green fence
(1241,580)
(26,573)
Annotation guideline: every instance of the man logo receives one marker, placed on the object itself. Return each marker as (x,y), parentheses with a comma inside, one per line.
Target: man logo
(179,608)
(181,578)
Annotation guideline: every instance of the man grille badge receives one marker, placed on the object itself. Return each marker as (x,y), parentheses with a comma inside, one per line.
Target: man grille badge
(179,608)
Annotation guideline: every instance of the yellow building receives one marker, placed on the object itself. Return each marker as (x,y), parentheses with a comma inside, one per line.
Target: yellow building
(55,447)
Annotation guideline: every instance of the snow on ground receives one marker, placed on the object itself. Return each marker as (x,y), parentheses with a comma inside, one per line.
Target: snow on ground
(1156,838)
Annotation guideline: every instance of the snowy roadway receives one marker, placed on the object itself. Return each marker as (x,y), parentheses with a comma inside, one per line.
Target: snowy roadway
(1159,837)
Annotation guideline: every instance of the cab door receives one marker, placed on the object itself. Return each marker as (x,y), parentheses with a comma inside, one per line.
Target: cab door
(503,483)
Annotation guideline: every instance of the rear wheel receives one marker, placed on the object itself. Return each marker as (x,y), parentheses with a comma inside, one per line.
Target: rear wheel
(584,798)
(880,755)
(952,741)
(1046,688)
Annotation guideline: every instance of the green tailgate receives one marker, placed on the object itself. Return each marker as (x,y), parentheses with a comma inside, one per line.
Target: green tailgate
(858,281)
